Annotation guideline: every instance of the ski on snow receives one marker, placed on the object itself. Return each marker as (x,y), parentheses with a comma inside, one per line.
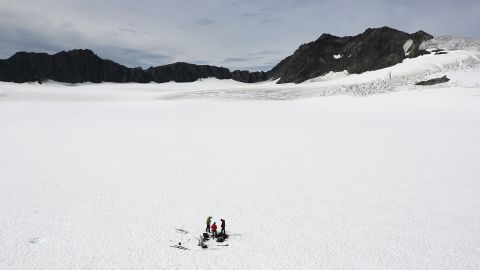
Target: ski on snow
(180,247)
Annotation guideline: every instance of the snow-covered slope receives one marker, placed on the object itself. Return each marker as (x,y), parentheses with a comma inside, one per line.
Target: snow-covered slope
(452,43)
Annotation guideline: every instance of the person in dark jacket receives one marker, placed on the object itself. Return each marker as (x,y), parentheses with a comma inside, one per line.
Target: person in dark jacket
(209,221)
(214,230)
(222,225)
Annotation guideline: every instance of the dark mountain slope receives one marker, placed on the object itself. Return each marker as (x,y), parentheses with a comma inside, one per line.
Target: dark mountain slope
(374,49)
(75,66)
(184,72)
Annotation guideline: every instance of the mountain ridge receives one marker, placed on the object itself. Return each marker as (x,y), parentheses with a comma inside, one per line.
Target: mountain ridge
(373,49)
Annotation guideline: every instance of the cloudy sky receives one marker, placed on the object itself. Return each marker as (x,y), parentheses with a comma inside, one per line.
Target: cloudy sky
(245,34)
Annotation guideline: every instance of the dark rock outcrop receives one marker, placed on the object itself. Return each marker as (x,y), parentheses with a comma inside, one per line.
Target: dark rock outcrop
(434,81)
(184,72)
(75,66)
(79,66)
(249,77)
(439,52)
(374,49)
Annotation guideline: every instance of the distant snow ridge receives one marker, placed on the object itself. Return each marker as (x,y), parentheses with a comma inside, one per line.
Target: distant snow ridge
(452,43)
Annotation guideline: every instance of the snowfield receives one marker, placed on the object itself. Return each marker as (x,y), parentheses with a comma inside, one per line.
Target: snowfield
(100,176)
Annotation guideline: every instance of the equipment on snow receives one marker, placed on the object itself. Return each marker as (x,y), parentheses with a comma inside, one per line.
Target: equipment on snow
(181,243)
(182,231)
(201,242)
(180,247)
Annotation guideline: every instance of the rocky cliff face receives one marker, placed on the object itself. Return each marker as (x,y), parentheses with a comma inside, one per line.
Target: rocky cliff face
(434,81)
(184,72)
(374,49)
(249,77)
(79,66)
(75,66)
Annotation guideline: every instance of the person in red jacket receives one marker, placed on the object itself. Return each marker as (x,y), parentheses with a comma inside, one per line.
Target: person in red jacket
(214,230)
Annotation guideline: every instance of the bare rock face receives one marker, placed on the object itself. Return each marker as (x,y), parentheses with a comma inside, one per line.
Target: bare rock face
(75,66)
(184,72)
(434,81)
(249,77)
(78,66)
(374,49)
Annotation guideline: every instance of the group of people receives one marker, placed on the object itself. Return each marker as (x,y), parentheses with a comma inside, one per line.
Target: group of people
(212,228)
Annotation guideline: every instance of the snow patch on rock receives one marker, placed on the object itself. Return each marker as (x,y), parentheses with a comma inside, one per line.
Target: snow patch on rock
(407,46)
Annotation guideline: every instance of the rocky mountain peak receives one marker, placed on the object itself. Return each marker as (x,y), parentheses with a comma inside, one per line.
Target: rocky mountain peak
(374,49)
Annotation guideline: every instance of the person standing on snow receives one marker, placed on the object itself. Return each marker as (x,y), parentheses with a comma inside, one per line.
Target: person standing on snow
(214,230)
(222,225)
(209,220)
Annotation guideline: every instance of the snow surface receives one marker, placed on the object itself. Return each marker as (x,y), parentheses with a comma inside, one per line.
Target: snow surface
(99,176)
(331,76)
